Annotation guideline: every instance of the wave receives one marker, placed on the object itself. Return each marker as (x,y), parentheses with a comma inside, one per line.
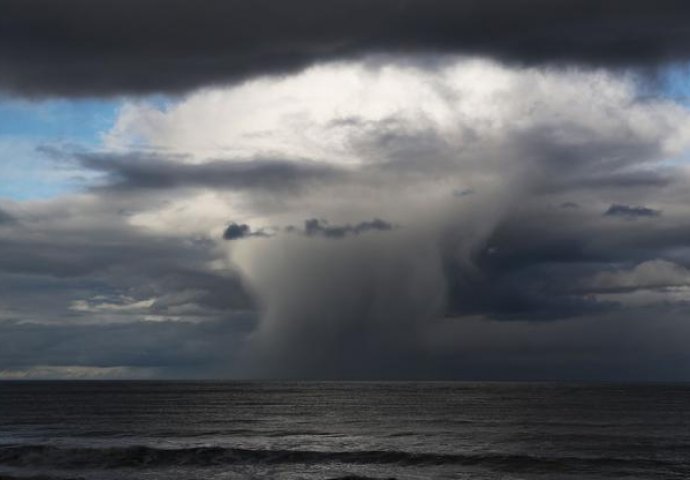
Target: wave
(37,477)
(142,457)
(355,477)
(48,477)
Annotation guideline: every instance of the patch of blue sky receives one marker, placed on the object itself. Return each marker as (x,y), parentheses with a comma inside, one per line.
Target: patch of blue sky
(73,121)
(676,86)
(27,172)
(676,83)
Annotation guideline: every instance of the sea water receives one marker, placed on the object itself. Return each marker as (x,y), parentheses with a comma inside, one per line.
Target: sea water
(232,430)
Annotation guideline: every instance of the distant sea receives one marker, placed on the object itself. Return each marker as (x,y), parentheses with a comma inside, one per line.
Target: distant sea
(208,430)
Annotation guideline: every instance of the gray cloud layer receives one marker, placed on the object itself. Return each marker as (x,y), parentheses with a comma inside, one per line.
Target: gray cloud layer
(167,347)
(84,47)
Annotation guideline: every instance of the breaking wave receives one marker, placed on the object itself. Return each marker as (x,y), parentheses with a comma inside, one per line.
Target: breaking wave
(142,456)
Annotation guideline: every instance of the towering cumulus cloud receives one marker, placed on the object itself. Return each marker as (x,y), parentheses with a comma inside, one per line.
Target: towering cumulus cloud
(361,189)
(553,159)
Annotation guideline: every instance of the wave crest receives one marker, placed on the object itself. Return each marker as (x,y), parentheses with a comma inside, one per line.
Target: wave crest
(142,456)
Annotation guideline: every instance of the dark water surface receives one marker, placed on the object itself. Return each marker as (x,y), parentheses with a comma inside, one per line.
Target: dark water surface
(205,430)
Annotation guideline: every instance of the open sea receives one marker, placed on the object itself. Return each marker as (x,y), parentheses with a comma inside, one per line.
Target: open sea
(231,430)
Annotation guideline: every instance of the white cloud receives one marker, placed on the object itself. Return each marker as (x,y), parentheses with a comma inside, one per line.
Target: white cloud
(648,283)
(651,274)
(466,123)
(325,111)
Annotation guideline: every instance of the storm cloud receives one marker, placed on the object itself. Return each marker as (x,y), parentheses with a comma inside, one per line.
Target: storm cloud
(86,48)
(441,190)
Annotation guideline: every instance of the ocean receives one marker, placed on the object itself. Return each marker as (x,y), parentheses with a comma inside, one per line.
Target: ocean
(232,430)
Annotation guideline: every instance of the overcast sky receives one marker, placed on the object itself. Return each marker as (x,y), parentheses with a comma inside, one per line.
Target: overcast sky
(345,189)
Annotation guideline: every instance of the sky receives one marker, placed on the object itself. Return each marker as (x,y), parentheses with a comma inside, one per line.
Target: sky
(345,189)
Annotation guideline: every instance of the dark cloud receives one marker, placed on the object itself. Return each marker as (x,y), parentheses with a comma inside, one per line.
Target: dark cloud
(627,211)
(82,47)
(616,178)
(463,192)
(525,268)
(6,218)
(137,171)
(236,231)
(321,228)
(539,264)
